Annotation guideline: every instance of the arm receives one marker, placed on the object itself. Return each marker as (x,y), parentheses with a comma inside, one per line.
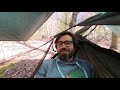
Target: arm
(91,69)
(41,72)
(94,73)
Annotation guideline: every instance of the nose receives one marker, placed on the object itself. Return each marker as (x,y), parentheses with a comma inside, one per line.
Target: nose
(63,46)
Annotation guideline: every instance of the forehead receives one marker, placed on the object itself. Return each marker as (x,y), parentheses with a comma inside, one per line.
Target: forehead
(65,37)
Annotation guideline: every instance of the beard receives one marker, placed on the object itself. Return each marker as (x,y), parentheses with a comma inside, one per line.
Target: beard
(65,54)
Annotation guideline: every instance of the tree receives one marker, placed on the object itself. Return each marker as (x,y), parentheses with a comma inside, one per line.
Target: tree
(64,20)
(73,21)
(114,41)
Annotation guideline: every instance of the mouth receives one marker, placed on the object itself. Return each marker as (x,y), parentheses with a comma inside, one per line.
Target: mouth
(64,51)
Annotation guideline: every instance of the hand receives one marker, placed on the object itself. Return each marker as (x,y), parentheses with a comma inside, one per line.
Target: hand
(67,76)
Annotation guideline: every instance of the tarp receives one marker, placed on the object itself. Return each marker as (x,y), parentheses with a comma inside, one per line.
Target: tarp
(20,26)
(111,19)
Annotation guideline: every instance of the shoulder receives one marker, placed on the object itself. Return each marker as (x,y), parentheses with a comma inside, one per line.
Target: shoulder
(86,63)
(47,64)
(83,61)
(48,61)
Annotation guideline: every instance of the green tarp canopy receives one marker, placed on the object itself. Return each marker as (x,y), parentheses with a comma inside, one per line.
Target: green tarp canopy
(20,26)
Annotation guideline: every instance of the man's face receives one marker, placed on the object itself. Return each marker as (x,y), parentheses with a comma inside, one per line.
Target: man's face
(65,47)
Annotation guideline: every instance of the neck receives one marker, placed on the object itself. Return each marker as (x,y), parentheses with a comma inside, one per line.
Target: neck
(70,59)
(66,59)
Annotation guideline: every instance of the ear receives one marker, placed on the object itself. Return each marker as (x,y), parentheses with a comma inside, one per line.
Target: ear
(56,46)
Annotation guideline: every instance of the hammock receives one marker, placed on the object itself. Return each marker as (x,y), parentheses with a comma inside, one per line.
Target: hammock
(106,61)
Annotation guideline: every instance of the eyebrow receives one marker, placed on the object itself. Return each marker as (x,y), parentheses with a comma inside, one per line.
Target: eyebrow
(64,41)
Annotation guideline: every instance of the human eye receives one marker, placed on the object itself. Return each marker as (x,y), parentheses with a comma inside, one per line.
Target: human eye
(60,43)
(68,42)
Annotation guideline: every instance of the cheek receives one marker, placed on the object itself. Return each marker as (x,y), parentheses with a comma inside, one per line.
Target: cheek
(72,49)
(58,49)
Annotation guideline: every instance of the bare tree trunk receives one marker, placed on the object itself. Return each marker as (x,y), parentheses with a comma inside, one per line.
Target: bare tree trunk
(65,20)
(73,21)
(114,41)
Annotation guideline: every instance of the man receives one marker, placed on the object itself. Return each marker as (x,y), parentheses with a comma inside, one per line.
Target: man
(66,64)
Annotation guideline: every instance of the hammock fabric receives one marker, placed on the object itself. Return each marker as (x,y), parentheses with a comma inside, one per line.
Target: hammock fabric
(106,61)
